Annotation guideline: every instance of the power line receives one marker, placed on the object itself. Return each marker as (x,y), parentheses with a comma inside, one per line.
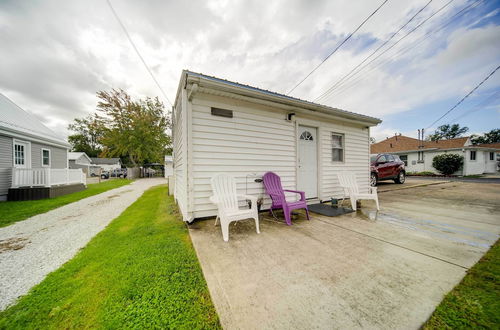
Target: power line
(137,51)
(479,106)
(335,50)
(394,44)
(375,51)
(466,96)
(343,88)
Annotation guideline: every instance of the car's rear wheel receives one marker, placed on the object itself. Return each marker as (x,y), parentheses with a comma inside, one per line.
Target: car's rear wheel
(401,177)
(373,180)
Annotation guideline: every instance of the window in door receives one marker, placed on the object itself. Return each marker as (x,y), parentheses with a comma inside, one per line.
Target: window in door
(492,156)
(45,157)
(472,155)
(337,147)
(19,154)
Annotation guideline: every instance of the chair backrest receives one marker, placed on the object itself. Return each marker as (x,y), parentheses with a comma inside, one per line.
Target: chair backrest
(272,183)
(348,181)
(224,189)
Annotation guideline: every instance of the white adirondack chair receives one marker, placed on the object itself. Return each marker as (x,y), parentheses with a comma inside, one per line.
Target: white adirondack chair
(226,198)
(350,186)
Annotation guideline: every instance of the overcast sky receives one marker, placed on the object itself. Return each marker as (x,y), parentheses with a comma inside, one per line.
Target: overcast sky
(55,55)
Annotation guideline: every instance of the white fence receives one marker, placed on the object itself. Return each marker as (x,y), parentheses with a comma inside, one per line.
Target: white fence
(46,177)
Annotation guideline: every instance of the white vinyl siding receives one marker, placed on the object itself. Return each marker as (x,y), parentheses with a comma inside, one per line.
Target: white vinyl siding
(180,150)
(356,157)
(246,146)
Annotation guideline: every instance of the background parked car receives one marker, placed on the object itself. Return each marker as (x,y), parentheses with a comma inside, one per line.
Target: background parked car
(386,167)
(105,175)
(119,173)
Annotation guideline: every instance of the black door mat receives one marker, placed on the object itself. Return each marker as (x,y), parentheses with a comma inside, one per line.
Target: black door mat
(328,210)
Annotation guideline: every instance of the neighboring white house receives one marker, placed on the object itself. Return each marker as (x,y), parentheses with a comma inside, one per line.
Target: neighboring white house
(169,166)
(418,155)
(80,160)
(225,127)
(32,156)
(107,164)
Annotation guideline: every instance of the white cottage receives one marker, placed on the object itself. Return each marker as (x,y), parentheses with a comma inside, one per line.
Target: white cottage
(221,126)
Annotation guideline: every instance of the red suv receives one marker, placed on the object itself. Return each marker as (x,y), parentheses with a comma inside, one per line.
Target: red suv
(386,167)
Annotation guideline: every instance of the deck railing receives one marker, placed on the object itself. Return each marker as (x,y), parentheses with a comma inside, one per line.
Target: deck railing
(46,177)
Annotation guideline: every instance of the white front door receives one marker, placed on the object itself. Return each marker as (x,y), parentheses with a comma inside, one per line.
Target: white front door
(307,180)
(22,154)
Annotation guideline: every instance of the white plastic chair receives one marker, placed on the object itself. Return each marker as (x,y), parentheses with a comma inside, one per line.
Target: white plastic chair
(350,186)
(226,198)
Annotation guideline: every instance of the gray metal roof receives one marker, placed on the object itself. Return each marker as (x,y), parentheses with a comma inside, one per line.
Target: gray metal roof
(15,119)
(105,161)
(282,96)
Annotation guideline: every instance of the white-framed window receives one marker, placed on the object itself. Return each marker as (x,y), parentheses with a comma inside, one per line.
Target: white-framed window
(420,157)
(19,154)
(472,155)
(337,147)
(404,158)
(492,156)
(45,157)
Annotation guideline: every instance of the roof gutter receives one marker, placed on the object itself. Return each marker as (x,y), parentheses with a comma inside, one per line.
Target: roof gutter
(23,135)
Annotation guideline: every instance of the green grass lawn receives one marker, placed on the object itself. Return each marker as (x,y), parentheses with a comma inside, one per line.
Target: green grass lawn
(139,272)
(475,302)
(11,212)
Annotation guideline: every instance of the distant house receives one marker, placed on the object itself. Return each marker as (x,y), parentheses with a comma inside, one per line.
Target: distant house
(418,155)
(107,164)
(32,157)
(80,160)
(169,166)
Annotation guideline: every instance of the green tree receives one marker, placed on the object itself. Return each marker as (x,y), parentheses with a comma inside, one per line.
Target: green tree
(448,163)
(133,129)
(87,135)
(492,136)
(446,132)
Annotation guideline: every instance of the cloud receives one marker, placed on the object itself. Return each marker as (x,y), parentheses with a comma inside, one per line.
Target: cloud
(57,54)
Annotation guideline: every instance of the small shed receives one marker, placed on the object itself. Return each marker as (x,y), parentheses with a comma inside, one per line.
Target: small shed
(221,126)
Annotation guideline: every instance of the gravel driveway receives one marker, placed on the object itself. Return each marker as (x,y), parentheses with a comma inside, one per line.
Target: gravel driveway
(31,249)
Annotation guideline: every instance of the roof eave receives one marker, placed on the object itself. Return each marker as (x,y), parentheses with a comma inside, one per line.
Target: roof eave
(241,90)
(23,135)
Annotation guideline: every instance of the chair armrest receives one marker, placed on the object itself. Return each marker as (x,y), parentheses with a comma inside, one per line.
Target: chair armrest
(253,200)
(302,194)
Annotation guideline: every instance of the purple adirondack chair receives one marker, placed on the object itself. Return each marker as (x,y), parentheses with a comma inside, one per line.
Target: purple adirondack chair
(272,183)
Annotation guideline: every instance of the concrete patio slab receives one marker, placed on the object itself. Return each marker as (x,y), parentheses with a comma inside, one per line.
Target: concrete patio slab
(386,269)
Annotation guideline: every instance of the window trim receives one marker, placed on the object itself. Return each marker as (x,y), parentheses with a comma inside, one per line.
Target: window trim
(342,135)
(405,160)
(50,157)
(475,155)
(27,153)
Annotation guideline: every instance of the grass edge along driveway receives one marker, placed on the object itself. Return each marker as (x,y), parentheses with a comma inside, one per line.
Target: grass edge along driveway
(11,212)
(475,301)
(139,272)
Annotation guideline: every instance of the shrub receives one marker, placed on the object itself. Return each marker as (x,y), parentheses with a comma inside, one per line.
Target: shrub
(448,163)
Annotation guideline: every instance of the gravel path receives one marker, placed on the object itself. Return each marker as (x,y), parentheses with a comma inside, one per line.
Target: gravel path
(33,248)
